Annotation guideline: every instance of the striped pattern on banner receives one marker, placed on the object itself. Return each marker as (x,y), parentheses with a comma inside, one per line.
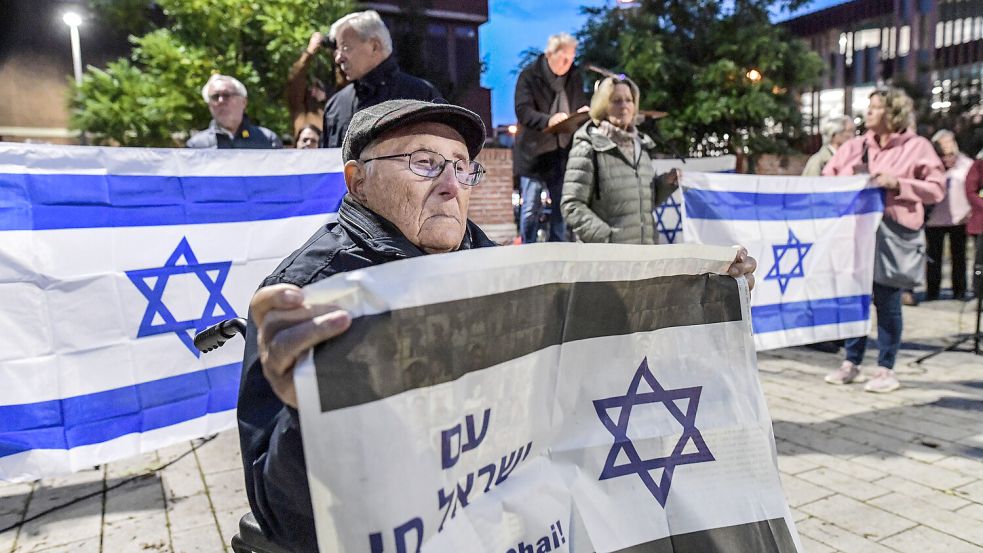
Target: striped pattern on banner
(813,238)
(669,216)
(113,259)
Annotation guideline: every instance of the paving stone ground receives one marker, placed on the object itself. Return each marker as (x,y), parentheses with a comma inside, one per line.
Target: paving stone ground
(863,473)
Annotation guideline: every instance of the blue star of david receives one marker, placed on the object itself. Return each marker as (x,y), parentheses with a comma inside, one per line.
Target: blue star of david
(660,223)
(619,429)
(152,282)
(779,251)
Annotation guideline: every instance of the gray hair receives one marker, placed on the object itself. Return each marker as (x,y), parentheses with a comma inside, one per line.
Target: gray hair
(560,41)
(240,88)
(834,126)
(943,133)
(367,25)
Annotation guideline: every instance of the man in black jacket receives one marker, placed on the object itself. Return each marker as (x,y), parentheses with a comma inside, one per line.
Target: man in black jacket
(364,52)
(409,169)
(548,91)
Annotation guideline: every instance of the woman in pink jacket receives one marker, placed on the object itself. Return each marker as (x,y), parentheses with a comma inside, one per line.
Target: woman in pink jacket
(911,173)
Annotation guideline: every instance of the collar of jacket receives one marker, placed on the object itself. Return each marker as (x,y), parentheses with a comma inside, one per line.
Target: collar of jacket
(213,125)
(379,235)
(378,77)
(602,143)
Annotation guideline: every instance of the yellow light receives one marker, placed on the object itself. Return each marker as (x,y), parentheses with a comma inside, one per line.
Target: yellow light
(754,75)
(513,129)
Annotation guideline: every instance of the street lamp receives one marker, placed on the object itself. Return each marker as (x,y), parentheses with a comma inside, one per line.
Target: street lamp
(73,20)
(754,75)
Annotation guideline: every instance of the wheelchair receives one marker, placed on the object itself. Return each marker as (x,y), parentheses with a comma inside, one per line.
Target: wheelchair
(250,538)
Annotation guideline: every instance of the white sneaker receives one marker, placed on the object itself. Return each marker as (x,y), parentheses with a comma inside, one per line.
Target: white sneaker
(847,373)
(883,382)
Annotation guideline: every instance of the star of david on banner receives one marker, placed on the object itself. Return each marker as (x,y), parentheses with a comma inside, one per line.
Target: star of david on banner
(623,443)
(152,283)
(664,224)
(779,250)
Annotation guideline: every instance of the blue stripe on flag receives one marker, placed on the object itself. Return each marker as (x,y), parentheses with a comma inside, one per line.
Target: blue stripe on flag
(58,201)
(102,416)
(800,314)
(753,206)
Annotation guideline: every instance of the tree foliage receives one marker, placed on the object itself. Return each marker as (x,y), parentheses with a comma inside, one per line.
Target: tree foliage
(145,99)
(691,58)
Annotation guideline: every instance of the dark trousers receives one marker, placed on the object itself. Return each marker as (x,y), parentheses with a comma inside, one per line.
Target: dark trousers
(887,303)
(957,249)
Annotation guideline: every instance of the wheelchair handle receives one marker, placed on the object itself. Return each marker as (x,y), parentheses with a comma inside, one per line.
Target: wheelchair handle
(219,333)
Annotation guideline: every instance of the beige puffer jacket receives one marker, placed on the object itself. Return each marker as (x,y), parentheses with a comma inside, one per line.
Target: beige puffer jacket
(618,209)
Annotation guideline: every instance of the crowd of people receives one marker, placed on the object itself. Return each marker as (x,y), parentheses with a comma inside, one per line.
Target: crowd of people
(410,165)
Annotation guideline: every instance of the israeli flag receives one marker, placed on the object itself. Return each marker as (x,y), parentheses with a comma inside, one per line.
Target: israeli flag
(669,215)
(542,398)
(110,260)
(813,238)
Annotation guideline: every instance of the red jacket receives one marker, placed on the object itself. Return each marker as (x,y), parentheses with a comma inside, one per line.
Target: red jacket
(974,189)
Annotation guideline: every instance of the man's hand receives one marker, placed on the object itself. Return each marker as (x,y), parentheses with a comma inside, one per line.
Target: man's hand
(286,328)
(558,118)
(886,181)
(673,177)
(314,44)
(745,265)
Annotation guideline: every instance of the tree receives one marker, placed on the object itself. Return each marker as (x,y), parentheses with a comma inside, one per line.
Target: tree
(694,59)
(145,99)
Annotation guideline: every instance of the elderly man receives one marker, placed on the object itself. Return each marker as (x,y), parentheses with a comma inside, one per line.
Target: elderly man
(835,131)
(230,127)
(547,92)
(364,52)
(409,169)
(948,218)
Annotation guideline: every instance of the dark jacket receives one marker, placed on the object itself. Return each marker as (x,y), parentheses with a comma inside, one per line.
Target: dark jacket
(269,432)
(386,82)
(535,152)
(249,136)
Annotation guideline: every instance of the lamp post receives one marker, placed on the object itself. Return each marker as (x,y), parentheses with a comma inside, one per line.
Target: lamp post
(73,20)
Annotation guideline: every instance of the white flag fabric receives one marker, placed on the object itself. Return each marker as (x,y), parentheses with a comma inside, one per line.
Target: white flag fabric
(813,238)
(110,260)
(669,215)
(548,397)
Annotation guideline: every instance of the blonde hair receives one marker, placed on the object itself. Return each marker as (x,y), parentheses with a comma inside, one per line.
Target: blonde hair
(560,41)
(367,25)
(601,102)
(899,109)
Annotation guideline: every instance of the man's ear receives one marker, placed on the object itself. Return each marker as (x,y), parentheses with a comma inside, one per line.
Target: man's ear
(355,179)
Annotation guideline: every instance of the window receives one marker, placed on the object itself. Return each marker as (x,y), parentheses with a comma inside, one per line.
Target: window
(438,58)
(465,54)
(904,41)
(939,34)
(947,35)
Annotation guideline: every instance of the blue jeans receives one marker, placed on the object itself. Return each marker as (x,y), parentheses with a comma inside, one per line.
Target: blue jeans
(531,190)
(887,304)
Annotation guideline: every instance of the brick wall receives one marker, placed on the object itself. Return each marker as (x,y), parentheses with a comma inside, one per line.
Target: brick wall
(770,164)
(491,201)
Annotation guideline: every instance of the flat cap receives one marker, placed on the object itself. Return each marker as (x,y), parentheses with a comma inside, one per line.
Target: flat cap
(371,122)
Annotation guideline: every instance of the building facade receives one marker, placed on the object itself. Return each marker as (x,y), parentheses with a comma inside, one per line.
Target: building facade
(935,45)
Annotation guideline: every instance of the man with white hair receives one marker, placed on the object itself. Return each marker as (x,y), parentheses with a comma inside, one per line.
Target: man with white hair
(547,92)
(364,53)
(835,132)
(230,127)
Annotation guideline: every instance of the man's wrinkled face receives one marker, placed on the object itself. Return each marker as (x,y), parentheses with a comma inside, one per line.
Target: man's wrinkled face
(948,150)
(842,137)
(561,60)
(430,212)
(226,104)
(354,56)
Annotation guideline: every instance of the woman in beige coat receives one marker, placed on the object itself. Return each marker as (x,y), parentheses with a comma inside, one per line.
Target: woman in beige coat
(610,187)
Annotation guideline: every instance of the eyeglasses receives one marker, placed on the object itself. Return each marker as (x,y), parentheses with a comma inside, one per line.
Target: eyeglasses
(431,164)
(222,96)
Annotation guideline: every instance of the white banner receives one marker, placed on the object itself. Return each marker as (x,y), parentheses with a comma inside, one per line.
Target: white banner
(110,260)
(553,397)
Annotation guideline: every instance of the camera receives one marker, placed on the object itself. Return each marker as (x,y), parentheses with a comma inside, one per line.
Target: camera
(328,43)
